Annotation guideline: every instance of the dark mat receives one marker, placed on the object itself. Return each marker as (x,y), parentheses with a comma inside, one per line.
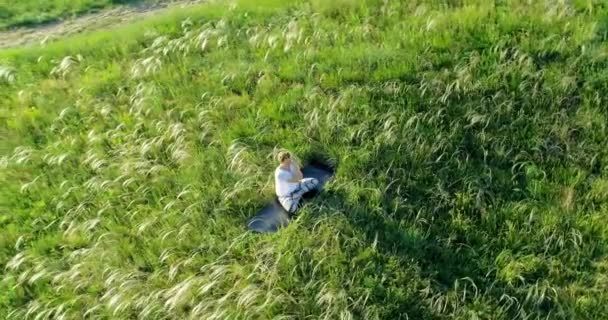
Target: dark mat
(273,217)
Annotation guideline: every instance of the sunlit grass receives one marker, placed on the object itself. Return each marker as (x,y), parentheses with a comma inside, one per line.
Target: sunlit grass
(469,143)
(33,12)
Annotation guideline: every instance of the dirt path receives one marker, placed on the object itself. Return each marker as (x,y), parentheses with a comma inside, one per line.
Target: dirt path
(103,19)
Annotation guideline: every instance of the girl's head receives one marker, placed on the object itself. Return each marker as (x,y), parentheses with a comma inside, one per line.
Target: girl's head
(284,157)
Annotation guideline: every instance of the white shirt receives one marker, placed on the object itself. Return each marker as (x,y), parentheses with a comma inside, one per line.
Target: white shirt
(282,179)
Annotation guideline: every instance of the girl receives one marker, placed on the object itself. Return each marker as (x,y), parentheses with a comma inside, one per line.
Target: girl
(290,183)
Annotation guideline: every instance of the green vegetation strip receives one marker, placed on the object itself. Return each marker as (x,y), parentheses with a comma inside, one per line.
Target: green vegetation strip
(470,143)
(29,13)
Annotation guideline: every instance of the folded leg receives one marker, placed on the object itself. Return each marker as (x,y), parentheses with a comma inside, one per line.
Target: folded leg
(290,202)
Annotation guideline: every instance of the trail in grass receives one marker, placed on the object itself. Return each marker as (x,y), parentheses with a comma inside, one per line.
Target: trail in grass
(108,18)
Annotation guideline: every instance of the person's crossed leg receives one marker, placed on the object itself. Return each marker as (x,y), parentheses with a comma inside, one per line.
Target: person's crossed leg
(291,201)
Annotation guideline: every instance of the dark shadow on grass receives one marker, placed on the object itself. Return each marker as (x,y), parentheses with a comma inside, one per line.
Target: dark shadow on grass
(400,300)
(421,231)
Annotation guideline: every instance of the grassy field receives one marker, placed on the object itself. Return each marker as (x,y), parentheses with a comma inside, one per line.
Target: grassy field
(19,13)
(469,141)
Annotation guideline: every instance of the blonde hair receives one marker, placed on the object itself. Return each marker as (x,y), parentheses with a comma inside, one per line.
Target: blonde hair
(283,155)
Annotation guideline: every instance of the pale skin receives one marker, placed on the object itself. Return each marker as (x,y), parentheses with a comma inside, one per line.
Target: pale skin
(298,174)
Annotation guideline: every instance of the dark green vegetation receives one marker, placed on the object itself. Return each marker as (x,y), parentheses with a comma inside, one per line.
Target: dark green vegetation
(470,144)
(17,13)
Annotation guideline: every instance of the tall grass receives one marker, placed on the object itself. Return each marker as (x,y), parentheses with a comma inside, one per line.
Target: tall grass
(469,142)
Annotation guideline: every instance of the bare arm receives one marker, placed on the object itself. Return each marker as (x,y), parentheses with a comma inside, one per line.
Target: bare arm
(297,175)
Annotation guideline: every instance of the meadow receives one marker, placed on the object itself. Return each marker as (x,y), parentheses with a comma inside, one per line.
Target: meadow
(20,13)
(469,139)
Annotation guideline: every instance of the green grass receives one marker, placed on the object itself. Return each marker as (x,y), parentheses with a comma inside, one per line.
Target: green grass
(469,140)
(32,12)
